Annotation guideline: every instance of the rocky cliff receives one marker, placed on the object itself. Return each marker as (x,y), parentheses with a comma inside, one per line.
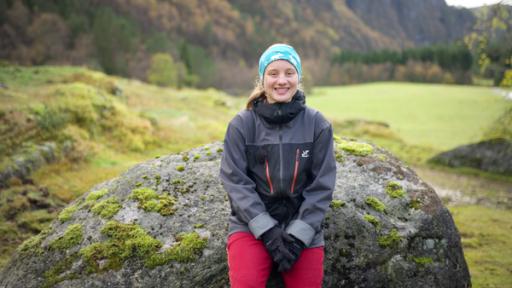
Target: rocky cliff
(164,223)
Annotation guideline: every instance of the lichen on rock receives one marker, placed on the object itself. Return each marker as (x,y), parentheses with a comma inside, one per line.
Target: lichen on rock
(389,240)
(336,203)
(106,208)
(394,190)
(72,237)
(186,250)
(375,203)
(354,147)
(124,241)
(95,195)
(150,201)
(67,213)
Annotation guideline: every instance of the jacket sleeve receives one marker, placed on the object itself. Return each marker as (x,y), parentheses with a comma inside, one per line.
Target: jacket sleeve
(245,201)
(318,195)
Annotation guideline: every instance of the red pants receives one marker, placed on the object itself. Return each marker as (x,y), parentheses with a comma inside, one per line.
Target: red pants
(250,264)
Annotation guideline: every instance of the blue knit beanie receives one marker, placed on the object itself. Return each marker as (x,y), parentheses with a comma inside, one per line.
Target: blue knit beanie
(279,52)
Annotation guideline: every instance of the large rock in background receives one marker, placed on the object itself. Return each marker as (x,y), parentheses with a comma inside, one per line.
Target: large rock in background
(494,155)
(163,223)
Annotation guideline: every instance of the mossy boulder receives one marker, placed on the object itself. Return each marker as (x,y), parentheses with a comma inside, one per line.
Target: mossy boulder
(494,155)
(411,242)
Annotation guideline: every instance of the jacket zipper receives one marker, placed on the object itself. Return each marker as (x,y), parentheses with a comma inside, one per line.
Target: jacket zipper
(268,177)
(295,170)
(280,158)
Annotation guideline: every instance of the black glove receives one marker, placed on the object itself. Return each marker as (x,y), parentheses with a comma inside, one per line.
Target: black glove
(274,240)
(295,247)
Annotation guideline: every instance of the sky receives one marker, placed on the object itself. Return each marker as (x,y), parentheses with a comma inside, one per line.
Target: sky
(475,3)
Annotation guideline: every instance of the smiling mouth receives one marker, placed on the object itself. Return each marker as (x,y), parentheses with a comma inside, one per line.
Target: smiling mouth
(281,91)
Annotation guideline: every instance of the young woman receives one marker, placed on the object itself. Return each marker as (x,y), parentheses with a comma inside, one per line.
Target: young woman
(279,171)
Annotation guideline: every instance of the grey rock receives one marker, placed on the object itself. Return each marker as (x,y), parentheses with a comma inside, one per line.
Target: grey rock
(414,243)
(494,155)
(31,159)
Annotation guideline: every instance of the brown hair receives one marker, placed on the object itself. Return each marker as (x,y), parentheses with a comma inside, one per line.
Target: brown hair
(257,92)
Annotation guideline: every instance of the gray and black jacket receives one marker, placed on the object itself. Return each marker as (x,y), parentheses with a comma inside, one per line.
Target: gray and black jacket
(278,168)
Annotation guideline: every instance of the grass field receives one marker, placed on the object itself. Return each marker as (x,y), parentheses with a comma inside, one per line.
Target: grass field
(440,117)
(485,234)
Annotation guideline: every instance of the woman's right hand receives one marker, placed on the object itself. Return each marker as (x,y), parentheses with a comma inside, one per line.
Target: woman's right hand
(275,240)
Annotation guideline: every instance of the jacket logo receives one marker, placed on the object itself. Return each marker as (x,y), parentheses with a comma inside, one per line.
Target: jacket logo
(305,154)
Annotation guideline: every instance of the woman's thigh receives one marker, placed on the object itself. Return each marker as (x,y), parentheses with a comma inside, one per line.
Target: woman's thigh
(308,271)
(248,260)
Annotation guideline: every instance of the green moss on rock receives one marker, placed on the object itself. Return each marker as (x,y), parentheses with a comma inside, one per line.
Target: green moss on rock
(375,203)
(33,244)
(57,273)
(394,190)
(124,241)
(339,156)
(180,168)
(355,148)
(95,195)
(177,181)
(389,240)
(422,261)
(415,204)
(151,201)
(186,250)
(131,241)
(72,237)
(107,208)
(335,204)
(67,213)
(373,220)
(382,157)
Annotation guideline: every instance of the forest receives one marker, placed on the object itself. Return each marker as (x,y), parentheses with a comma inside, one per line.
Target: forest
(201,44)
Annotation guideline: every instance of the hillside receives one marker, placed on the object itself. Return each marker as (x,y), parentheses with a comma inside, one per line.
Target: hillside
(208,37)
(64,129)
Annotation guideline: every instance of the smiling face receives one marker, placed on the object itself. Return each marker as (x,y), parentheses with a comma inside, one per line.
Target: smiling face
(280,81)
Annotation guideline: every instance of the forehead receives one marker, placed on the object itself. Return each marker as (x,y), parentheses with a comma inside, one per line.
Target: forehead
(280,65)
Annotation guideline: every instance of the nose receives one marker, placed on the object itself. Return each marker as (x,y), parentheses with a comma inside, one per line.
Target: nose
(281,80)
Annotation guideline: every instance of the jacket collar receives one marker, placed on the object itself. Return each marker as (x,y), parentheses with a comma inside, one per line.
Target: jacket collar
(280,113)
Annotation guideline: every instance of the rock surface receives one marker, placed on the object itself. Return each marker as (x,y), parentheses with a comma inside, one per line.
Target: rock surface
(163,223)
(493,156)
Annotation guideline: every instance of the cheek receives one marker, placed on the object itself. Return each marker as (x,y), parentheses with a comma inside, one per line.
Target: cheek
(268,84)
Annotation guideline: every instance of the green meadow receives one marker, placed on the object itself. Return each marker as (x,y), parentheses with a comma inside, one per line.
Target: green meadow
(114,123)
(430,115)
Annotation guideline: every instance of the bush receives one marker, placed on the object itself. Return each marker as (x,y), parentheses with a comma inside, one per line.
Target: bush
(163,70)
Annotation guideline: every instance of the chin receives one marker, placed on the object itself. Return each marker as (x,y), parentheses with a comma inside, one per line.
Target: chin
(283,99)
